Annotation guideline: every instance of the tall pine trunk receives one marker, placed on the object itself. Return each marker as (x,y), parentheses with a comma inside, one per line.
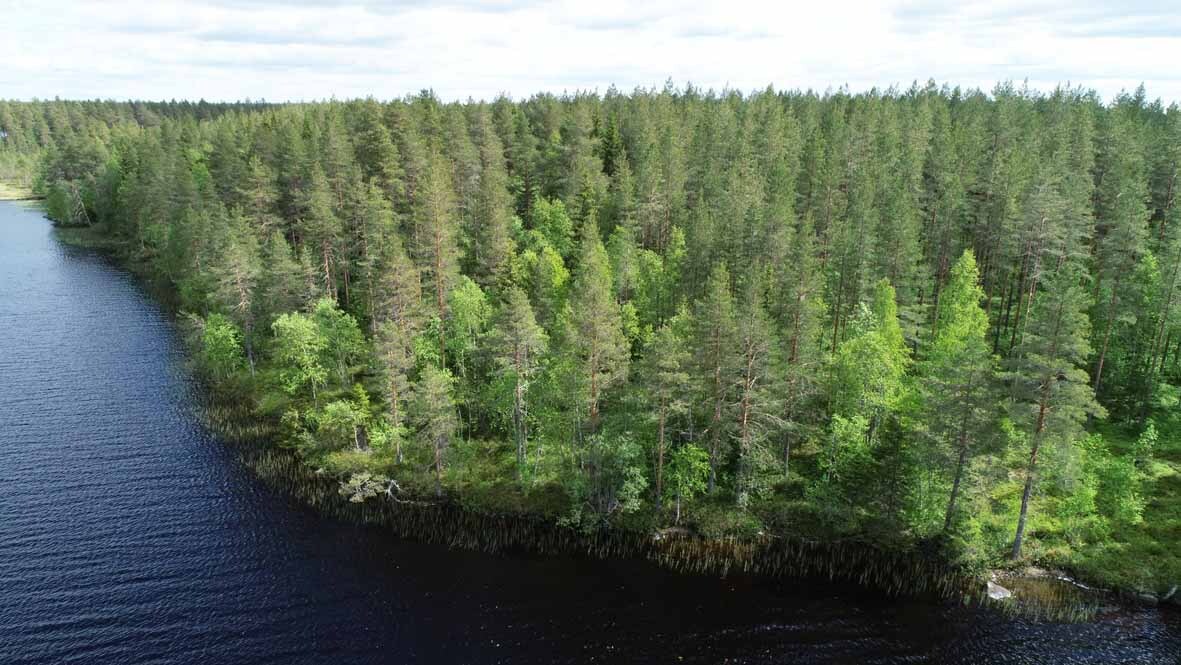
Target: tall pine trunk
(1030,471)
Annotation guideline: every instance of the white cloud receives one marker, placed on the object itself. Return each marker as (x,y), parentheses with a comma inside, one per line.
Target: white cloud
(313,49)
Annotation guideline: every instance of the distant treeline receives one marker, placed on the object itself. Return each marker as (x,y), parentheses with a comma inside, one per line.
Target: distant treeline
(898,315)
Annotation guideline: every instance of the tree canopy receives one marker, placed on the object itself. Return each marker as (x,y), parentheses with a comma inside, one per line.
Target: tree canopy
(903,313)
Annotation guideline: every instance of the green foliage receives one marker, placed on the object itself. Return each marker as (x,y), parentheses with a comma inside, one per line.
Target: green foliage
(342,346)
(865,373)
(221,346)
(615,485)
(470,313)
(959,380)
(846,472)
(788,315)
(555,226)
(298,347)
(688,475)
(435,417)
(1146,443)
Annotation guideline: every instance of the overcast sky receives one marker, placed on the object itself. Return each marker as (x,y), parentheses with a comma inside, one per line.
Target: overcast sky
(313,49)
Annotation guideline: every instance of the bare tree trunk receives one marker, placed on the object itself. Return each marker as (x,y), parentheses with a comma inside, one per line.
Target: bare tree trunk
(955,485)
(438,469)
(1029,476)
(440,300)
(1106,336)
(660,456)
(786,456)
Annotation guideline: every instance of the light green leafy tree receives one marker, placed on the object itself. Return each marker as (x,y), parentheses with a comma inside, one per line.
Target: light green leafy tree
(519,345)
(344,346)
(221,345)
(688,475)
(298,348)
(958,375)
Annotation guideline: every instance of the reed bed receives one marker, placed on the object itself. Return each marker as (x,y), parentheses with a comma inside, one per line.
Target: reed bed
(896,572)
(446,523)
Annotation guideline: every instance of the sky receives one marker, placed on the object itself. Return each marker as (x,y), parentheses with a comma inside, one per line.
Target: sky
(291,50)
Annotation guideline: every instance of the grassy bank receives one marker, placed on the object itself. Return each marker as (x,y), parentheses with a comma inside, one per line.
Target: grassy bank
(1144,557)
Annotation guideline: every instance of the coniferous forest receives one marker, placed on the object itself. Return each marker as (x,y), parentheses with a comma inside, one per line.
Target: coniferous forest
(901,316)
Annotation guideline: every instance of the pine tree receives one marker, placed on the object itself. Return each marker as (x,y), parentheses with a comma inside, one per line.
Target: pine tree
(756,410)
(283,283)
(665,389)
(598,340)
(237,279)
(519,345)
(436,249)
(372,231)
(715,338)
(259,196)
(397,315)
(377,155)
(491,244)
(1122,217)
(799,311)
(319,229)
(1052,396)
(434,412)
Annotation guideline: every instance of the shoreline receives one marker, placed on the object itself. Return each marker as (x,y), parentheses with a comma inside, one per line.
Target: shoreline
(448,522)
(893,571)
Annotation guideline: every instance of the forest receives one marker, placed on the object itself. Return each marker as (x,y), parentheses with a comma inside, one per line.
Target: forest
(901,316)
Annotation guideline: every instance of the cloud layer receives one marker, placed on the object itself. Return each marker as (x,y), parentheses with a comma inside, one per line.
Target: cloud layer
(313,49)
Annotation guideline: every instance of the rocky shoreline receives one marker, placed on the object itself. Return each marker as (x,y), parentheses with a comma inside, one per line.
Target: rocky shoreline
(1041,591)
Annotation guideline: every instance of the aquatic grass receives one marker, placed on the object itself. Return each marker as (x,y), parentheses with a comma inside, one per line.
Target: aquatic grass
(1045,599)
(893,571)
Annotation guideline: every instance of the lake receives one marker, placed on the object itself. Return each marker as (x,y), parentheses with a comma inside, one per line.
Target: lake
(130,534)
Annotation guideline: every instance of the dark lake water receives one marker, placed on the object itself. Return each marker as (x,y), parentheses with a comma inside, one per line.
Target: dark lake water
(129,534)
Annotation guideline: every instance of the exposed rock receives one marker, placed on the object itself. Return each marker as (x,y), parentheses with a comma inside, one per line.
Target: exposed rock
(998,592)
(1147,598)
(1172,597)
